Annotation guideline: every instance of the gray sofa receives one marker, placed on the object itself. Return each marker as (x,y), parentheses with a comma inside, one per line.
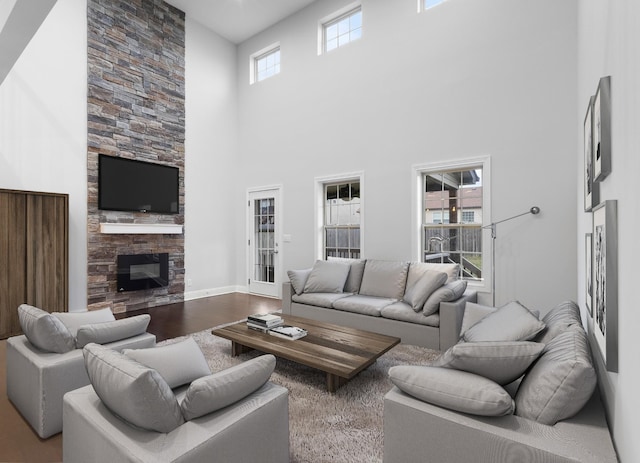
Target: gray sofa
(41,371)
(552,414)
(421,303)
(176,412)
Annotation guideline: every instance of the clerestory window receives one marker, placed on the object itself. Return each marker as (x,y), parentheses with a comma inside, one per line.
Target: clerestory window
(342,29)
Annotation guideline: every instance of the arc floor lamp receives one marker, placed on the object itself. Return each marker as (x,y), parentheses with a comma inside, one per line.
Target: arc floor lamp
(493,226)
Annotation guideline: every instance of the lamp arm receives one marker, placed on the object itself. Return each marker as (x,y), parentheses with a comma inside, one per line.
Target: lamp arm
(534,210)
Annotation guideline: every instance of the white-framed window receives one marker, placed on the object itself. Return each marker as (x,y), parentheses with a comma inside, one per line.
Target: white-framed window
(264,63)
(451,200)
(424,5)
(339,216)
(341,28)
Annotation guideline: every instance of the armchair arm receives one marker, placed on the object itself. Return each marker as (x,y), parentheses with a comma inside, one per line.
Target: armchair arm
(451,314)
(287,292)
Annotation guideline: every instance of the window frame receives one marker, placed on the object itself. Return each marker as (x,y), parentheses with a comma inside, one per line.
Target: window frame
(320,184)
(418,171)
(334,17)
(422,7)
(263,53)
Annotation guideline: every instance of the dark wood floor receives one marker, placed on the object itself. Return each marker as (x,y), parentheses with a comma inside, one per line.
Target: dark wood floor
(19,443)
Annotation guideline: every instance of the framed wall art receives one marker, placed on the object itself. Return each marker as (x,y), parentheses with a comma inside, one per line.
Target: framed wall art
(602,130)
(591,188)
(588,256)
(605,281)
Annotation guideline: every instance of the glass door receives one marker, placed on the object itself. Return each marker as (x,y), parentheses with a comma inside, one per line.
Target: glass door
(264,258)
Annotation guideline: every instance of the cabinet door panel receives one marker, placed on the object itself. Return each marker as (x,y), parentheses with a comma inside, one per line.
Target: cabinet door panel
(47,253)
(12,261)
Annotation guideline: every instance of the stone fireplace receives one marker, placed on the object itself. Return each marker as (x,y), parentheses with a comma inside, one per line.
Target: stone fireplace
(135,109)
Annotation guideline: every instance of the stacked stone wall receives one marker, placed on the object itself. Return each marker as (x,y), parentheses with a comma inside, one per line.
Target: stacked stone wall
(135,110)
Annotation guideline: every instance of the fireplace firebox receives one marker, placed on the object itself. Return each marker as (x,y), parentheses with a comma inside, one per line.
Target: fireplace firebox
(143,271)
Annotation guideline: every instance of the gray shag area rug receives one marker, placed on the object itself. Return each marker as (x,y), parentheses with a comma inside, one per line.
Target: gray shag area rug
(345,426)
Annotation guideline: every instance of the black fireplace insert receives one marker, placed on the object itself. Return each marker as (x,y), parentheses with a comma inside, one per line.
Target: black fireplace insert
(143,271)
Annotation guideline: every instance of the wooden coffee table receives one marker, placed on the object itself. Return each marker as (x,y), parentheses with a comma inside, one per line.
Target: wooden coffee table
(339,351)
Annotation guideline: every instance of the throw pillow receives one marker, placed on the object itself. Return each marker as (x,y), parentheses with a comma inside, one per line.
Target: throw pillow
(417,294)
(512,322)
(447,293)
(298,279)
(178,363)
(561,382)
(103,333)
(473,313)
(456,390)
(501,362)
(416,269)
(383,278)
(134,392)
(45,331)
(213,392)
(327,277)
(74,320)
(352,285)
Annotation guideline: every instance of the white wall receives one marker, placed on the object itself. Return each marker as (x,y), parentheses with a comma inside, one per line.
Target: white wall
(43,126)
(609,44)
(210,165)
(465,79)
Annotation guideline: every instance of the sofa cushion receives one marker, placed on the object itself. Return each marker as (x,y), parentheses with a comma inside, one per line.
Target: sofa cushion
(417,294)
(456,390)
(501,362)
(132,391)
(404,312)
(473,313)
(562,380)
(178,363)
(45,331)
(319,299)
(416,269)
(384,278)
(106,332)
(74,320)
(558,319)
(356,270)
(298,279)
(447,293)
(327,277)
(511,322)
(213,392)
(365,305)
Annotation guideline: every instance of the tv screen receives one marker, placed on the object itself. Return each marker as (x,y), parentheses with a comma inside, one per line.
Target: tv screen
(128,185)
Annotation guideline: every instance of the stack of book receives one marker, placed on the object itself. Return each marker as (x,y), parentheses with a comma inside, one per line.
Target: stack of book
(264,322)
(288,332)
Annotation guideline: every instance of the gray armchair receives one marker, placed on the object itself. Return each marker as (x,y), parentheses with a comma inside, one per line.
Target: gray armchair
(38,378)
(154,406)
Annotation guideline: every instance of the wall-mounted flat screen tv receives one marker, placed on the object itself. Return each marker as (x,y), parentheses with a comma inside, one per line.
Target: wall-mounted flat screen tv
(129,185)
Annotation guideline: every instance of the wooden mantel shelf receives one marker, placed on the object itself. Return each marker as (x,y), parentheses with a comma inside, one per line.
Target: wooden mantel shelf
(141,228)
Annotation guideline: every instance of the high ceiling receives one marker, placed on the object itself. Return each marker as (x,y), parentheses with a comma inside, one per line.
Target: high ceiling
(237,20)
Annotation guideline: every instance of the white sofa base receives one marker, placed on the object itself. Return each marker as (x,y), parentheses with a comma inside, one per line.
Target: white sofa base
(415,431)
(253,429)
(37,381)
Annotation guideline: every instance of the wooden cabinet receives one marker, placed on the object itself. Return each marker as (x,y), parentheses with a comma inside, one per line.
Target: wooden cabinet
(34,262)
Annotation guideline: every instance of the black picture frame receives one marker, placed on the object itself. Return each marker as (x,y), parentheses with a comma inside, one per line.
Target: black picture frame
(591,188)
(602,130)
(605,281)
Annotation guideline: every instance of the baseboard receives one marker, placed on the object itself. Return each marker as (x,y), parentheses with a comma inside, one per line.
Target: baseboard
(199,294)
